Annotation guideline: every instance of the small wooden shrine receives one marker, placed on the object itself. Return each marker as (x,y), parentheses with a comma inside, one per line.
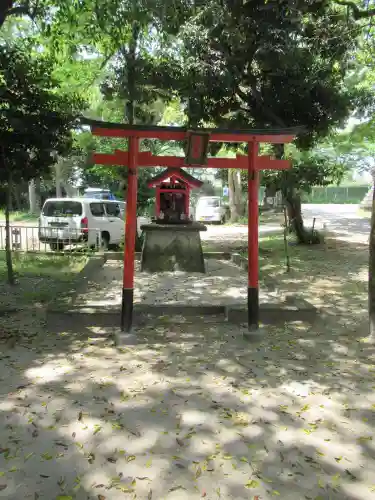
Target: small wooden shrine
(173,187)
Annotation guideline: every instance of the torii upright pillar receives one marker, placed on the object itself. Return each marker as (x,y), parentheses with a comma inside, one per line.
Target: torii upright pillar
(252,236)
(130,234)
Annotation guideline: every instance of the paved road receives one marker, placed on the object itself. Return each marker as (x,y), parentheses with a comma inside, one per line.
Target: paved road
(343,220)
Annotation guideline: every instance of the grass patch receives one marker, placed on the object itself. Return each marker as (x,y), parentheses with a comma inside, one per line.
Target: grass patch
(19,216)
(40,277)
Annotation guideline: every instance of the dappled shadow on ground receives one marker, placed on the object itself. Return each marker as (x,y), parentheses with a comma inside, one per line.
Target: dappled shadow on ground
(191,411)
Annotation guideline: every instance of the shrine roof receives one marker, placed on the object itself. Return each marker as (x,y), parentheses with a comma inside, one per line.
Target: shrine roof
(175,172)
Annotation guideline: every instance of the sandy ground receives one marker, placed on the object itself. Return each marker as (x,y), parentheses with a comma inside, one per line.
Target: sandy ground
(223,284)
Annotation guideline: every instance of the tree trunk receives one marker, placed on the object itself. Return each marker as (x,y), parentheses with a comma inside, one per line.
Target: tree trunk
(131,57)
(371,272)
(293,203)
(58,180)
(10,201)
(8,244)
(235,194)
(17,197)
(32,197)
(294,211)
(131,60)
(37,195)
(5,6)
(70,191)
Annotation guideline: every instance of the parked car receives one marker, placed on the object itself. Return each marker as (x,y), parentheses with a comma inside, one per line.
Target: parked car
(210,209)
(99,194)
(65,221)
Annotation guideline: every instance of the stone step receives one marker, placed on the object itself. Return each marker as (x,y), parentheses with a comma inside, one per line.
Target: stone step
(271,312)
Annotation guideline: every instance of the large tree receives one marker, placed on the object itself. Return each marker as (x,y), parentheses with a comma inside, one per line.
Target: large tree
(35,122)
(270,64)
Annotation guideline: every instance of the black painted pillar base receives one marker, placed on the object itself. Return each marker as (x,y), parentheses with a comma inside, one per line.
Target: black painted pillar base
(127,310)
(253,308)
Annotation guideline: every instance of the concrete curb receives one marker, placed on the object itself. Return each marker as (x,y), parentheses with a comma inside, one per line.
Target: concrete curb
(119,256)
(275,313)
(217,255)
(166,310)
(270,313)
(240,261)
(207,255)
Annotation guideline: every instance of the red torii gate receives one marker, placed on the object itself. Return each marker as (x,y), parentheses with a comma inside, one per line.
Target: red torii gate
(196,156)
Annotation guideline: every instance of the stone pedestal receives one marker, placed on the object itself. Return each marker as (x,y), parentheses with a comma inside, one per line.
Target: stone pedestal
(172,247)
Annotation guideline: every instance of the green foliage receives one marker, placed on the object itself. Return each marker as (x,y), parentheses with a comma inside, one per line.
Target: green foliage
(260,64)
(309,168)
(35,120)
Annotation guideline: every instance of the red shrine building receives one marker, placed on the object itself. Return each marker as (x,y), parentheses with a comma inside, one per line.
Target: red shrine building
(173,187)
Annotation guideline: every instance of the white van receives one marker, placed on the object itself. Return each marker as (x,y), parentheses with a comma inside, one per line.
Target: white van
(210,209)
(65,221)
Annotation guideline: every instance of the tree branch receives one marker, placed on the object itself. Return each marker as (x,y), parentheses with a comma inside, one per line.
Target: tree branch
(276,120)
(21,10)
(7,10)
(356,11)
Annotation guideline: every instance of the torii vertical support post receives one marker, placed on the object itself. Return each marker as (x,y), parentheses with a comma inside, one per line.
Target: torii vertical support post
(253,252)
(130,234)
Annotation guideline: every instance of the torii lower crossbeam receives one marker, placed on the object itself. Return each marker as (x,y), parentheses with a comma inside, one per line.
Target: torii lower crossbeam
(133,159)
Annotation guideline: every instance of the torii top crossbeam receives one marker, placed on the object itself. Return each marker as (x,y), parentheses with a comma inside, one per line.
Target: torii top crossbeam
(146,159)
(271,135)
(196,156)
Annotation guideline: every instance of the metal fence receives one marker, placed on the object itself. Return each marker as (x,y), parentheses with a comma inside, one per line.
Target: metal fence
(36,239)
(336,194)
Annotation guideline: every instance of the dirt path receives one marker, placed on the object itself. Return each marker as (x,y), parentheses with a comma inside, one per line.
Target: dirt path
(224,283)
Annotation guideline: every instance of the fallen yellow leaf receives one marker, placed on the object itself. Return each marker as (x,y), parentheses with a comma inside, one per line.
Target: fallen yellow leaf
(362,439)
(252,484)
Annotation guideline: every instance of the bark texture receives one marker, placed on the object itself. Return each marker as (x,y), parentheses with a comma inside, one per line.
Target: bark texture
(8,239)
(294,210)
(236,204)
(371,272)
